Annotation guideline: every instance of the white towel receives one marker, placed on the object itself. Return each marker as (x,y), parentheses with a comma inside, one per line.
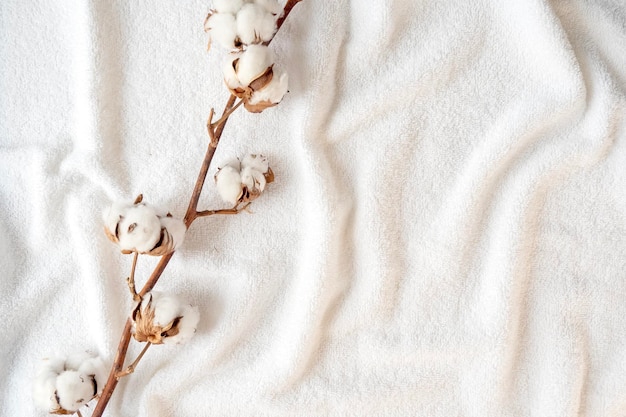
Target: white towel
(446,235)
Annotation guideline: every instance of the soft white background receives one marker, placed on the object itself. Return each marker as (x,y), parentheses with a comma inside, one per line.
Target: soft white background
(446,235)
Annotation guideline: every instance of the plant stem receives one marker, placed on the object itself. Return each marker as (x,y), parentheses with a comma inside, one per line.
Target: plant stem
(131,368)
(233,210)
(131,279)
(191,214)
(122,348)
(226,115)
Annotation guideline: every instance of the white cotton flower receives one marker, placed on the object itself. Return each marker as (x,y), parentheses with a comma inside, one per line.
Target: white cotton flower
(253,63)
(255,24)
(271,6)
(243,181)
(273,92)
(227,6)
(223,29)
(143,228)
(63,385)
(164,318)
(251,76)
(228,182)
(140,229)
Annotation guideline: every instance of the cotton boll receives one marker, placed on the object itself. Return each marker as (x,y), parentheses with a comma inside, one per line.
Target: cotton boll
(223,29)
(254,61)
(252,179)
(164,318)
(176,228)
(64,384)
(227,6)
(255,24)
(74,390)
(228,182)
(271,6)
(273,92)
(140,229)
(256,161)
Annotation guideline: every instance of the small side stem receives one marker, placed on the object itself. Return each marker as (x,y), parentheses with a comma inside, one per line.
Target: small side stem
(131,368)
(233,210)
(226,115)
(78,413)
(190,216)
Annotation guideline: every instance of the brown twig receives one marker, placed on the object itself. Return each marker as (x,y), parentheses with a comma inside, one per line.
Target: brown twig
(215,133)
(131,368)
(234,210)
(225,116)
(206,213)
(122,348)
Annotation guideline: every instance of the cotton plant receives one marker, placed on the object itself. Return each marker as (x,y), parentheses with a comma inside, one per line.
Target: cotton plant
(244,28)
(142,228)
(161,318)
(65,384)
(242,181)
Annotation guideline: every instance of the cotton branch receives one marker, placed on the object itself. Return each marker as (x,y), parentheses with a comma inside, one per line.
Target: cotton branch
(215,132)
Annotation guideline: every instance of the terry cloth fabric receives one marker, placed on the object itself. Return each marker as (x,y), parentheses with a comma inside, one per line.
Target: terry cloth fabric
(446,235)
